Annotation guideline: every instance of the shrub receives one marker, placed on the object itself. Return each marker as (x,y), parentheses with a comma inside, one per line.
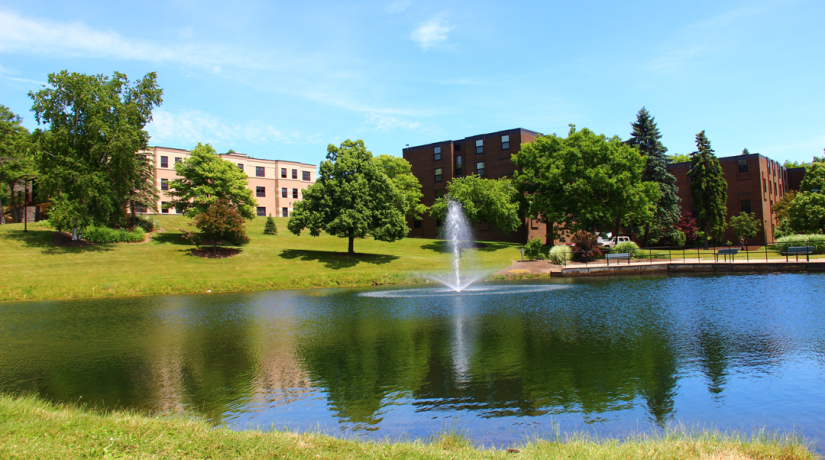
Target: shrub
(147,224)
(270,228)
(587,245)
(560,254)
(626,247)
(817,241)
(533,249)
(104,235)
(222,221)
(45,224)
(679,239)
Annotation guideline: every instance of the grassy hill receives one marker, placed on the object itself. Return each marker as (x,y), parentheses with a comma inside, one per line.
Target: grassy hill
(33,268)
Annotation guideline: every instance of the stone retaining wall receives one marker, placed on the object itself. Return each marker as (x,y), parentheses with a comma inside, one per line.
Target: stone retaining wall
(752,267)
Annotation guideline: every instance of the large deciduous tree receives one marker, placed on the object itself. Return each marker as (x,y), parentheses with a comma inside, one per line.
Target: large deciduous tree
(646,137)
(16,154)
(352,198)
(400,173)
(482,200)
(585,181)
(708,189)
(205,179)
(806,211)
(87,158)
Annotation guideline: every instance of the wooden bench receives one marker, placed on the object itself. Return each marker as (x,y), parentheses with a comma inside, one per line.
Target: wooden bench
(796,250)
(619,256)
(726,252)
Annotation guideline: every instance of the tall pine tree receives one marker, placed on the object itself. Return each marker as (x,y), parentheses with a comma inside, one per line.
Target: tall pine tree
(708,189)
(646,137)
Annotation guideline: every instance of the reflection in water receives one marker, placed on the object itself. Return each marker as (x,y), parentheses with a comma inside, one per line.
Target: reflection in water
(606,353)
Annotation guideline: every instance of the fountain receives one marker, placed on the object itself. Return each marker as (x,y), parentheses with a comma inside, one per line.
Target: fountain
(459,235)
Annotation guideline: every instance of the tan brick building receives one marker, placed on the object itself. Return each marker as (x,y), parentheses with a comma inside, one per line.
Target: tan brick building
(275,184)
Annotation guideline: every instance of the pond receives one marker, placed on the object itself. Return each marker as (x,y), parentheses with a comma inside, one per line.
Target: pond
(502,362)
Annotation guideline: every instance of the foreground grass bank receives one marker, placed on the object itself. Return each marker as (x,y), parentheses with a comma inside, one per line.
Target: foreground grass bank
(32,268)
(31,428)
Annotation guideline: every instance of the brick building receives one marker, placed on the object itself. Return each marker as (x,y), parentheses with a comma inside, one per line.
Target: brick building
(755,183)
(487,155)
(275,184)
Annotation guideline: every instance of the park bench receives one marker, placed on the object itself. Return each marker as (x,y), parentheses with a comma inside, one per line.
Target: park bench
(726,252)
(619,256)
(796,250)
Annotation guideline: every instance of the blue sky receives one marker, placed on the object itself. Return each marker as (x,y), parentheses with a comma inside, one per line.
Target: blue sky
(282,80)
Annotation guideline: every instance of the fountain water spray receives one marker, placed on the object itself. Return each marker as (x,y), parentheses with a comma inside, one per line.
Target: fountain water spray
(459,235)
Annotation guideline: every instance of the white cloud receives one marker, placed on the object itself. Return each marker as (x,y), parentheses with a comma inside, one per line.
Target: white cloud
(188,127)
(431,33)
(384,123)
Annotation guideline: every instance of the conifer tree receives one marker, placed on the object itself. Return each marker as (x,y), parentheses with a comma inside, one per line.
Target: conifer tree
(708,189)
(646,137)
(270,228)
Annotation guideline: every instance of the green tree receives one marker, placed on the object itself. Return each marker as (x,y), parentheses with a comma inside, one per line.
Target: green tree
(400,173)
(646,137)
(145,192)
(16,157)
(482,200)
(352,198)
(814,179)
(222,221)
(270,228)
(806,213)
(678,158)
(788,164)
(745,151)
(708,189)
(205,178)
(745,225)
(585,181)
(87,156)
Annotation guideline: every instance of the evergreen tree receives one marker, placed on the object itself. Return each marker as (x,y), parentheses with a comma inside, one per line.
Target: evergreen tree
(270,228)
(646,137)
(708,189)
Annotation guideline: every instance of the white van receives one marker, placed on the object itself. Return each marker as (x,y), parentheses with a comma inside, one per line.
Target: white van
(612,242)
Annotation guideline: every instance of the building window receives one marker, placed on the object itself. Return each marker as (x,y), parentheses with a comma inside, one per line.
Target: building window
(480,168)
(438,174)
(140,208)
(259,171)
(177,160)
(163,207)
(745,206)
(284,212)
(416,223)
(306,176)
(283,173)
(164,162)
(437,154)
(261,211)
(283,192)
(439,193)
(458,166)
(743,165)
(457,147)
(764,185)
(164,184)
(295,193)
(260,191)
(294,173)
(505,142)
(240,166)
(775,191)
(480,146)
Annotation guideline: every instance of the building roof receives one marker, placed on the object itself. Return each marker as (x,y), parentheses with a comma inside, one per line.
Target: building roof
(483,136)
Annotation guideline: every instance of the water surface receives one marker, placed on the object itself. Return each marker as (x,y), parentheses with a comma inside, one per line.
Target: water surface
(503,363)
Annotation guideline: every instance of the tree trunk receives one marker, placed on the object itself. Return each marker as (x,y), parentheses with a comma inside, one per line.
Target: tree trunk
(351,250)
(646,242)
(134,217)
(618,227)
(707,231)
(2,218)
(215,247)
(550,233)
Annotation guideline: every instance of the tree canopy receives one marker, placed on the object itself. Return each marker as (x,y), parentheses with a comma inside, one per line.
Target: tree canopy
(205,179)
(352,198)
(400,173)
(708,189)
(482,200)
(585,181)
(745,225)
(646,137)
(814,179)
(16,153)
(806,213)
(678,158)
(87,158)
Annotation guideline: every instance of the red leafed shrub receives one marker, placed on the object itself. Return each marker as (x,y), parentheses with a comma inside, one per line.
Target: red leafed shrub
(222,222)
(587,245)
(687,225)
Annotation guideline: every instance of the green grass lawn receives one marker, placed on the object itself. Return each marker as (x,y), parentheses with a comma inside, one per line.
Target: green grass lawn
(32,268)
(31,428)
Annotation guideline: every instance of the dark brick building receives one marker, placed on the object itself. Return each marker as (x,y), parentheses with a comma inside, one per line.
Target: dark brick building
(755,183)
(487,155)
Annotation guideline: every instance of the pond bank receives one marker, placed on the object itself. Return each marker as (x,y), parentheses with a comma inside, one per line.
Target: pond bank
(35,428)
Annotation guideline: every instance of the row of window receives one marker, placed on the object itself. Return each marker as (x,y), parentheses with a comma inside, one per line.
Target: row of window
(259,170)
(261,212)
(505,144)
(480,170)
(164,161)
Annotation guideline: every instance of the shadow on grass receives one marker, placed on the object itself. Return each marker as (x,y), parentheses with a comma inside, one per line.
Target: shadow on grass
(442,247)
(337,260)
(171,238)
(45,240)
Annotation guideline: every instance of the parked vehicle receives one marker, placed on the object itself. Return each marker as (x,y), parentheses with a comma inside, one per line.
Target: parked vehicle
(612,242)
